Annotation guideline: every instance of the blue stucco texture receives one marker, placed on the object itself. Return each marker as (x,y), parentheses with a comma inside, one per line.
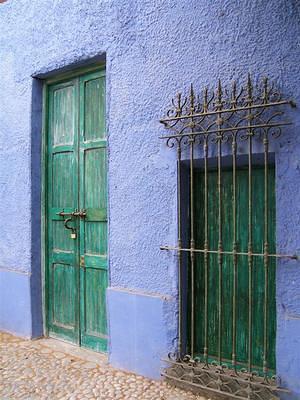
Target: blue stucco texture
(143,321)
(15,310)
(153,49)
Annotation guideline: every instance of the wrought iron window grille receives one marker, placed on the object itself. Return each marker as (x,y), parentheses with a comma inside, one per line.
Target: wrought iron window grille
(250,116)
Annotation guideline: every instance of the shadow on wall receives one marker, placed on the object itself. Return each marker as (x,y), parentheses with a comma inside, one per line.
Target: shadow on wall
(36,145)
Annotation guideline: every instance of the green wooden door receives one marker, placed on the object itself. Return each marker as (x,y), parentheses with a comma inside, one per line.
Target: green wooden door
(76,278)
(224,309)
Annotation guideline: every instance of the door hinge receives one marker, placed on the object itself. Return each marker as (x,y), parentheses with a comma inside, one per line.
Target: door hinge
(82,261)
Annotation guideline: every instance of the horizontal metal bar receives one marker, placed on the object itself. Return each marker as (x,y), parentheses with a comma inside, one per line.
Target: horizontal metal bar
(238,253)
(229,110)
(81,213)
(240,128)
(62,213)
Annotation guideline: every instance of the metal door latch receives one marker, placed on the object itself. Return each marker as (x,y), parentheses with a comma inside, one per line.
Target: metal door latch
(76,213)
(73,230)
(82,264)
(81,214)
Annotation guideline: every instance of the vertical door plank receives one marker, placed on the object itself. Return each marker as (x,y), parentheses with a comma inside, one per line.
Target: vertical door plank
(62,167)
(93,198)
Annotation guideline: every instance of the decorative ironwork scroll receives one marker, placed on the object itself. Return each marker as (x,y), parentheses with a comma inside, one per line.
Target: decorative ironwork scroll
(219,380)
(223,120)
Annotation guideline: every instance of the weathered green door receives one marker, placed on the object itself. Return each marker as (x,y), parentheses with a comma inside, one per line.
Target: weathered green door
(248,325)
(76,172)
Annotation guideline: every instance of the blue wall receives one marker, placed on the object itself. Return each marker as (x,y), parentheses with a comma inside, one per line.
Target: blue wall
(153,48)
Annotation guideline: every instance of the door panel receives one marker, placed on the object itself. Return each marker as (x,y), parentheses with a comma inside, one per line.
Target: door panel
(63,273)
(64,293)
(93,198)
(95,315)
(77,179)
(64,124)
(63,186)
(93,89)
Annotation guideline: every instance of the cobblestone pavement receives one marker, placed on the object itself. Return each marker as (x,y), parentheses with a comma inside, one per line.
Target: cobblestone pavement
(33,370)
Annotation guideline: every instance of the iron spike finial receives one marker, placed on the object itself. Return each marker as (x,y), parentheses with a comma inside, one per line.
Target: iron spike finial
(219,94)
(219,91)
(249,79)
(179,97)
(192,99)
(249,87)
(234,89)
(177,104)
(265,90)
(233,95)
(205,99)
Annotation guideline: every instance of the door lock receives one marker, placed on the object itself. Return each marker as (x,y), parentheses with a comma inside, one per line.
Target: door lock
(81,214)
(73,230)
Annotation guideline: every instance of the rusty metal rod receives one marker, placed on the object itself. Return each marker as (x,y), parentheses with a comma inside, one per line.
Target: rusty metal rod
(179,254)
(206,258)
(229,110)
(220,239)
(239,253)
(266,259)
(238,128)
(234,251)
(192,237)
(250,134)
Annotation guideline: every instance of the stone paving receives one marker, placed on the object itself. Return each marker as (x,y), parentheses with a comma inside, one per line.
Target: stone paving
(33,370)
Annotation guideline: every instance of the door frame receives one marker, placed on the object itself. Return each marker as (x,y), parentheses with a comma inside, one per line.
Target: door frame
(73,73)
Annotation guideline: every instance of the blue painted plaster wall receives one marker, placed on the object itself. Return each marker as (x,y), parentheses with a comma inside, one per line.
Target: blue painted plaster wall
(140,316)
(153,48)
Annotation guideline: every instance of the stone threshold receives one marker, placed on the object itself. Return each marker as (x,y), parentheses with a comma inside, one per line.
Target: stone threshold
(82,353)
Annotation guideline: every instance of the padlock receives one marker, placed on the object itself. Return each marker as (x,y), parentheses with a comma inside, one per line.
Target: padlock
(73,235)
